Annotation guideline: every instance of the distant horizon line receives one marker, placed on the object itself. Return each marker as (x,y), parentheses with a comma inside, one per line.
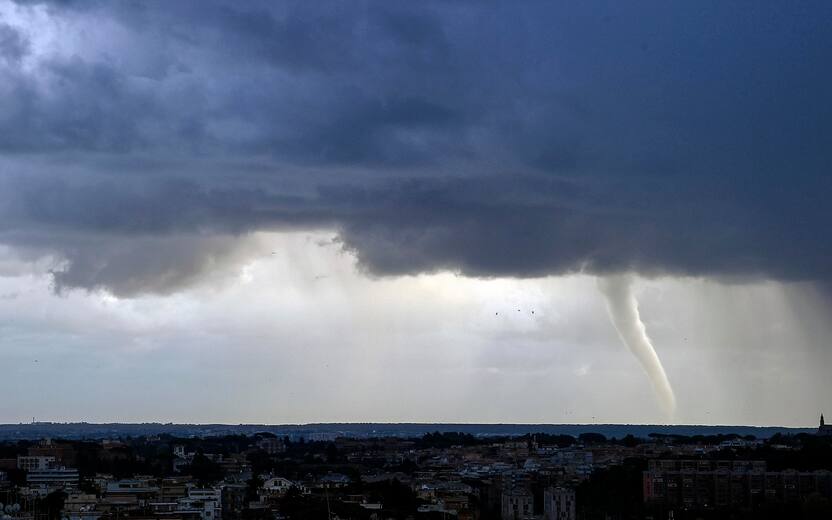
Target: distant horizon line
(394,423)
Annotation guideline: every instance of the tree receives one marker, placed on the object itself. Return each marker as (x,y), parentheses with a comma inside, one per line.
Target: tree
(253,486)
(592,438)
(630,441)
(331,453)
(54,504)
(204,470)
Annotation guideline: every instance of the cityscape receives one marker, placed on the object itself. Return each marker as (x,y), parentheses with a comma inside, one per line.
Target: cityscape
(314,472)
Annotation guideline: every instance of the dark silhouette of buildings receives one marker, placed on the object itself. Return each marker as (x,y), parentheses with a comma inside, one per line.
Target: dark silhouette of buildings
(716,484)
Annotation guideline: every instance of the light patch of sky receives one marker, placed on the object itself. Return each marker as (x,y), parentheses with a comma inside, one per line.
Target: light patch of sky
(301,335)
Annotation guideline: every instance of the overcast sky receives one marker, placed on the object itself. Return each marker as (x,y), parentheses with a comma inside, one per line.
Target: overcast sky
(398,211)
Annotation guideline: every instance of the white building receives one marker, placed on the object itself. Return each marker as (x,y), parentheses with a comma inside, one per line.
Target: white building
(277,486)
(35,463)
(206,501)
(48,480)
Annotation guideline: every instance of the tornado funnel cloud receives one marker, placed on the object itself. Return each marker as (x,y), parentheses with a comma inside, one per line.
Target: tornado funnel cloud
(623,310)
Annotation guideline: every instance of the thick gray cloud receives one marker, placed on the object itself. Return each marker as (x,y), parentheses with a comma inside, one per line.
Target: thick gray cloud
(13,46)
(502,139)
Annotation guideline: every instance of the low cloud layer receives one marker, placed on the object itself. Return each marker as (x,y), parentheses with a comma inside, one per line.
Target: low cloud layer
(142,143)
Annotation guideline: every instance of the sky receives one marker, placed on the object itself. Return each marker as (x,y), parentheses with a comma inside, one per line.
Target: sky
(393,211)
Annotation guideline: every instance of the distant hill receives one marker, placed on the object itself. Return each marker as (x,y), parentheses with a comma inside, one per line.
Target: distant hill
(111,430)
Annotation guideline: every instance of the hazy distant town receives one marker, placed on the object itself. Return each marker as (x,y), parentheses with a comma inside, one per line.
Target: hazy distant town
(366,473)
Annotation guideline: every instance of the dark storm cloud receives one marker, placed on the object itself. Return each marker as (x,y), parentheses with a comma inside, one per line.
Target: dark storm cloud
(518,140)
(13,45)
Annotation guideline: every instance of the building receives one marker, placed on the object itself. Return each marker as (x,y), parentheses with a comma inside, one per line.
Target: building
(63,453)
(44,475)
(277,486)
(233,500)
(35,462)
(272,445)
(517,504)
(725,484)
(824,430)
(559,504)
(206,502)
(234,464)
(173,488)
(333,480)
(81,506)
(127,493)
(47,480)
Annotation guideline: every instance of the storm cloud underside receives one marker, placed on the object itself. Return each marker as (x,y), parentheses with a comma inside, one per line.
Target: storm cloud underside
(140,143)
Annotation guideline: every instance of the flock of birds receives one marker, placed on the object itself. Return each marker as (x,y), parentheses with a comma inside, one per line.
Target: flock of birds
(518,310)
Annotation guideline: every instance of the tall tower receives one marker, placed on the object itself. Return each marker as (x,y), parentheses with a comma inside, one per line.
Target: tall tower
(821,420)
